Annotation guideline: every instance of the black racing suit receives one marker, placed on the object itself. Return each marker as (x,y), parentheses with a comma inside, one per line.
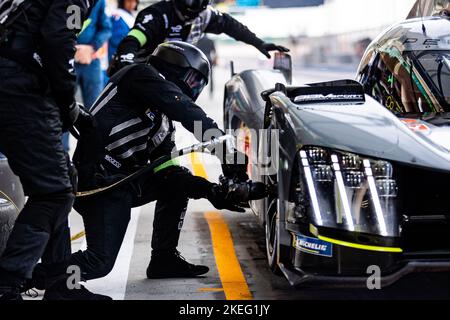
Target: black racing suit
(37,87)
(160,22)
(134,115)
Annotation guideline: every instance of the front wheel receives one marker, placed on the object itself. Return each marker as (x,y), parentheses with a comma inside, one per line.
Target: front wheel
(271,227)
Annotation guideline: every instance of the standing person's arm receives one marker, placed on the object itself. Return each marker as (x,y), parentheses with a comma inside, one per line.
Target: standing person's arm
(58,49)
(120,31)
(224,23)
(103,27)
(100,27)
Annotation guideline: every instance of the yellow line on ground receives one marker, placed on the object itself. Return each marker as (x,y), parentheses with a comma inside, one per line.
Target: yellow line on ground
(197,166)
(233,280)
(230,272)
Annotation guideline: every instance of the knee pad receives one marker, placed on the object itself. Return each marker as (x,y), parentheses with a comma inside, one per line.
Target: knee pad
(47,212)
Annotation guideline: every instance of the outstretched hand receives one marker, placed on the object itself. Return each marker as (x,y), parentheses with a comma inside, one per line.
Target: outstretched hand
(220,201)
(267,47)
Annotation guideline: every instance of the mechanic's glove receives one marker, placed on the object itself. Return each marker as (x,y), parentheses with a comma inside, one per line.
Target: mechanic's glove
(243,192)
(77,116)
(218,198)
(85,120)
(120,61)
(235,166)
(69,115)
(265,48)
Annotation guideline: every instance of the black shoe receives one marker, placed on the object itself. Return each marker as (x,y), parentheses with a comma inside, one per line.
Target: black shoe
(59,291)
(173,265)
(43,277)
(11,295)
(10,286)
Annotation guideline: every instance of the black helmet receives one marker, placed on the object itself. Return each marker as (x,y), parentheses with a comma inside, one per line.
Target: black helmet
(183,64)
(190,8)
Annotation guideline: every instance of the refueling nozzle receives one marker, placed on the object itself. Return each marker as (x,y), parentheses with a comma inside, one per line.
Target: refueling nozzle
(243,192)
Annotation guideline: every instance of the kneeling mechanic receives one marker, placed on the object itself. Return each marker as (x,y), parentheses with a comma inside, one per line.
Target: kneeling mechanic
(134,115)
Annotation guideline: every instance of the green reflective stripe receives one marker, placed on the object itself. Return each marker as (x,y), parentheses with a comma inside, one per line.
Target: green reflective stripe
(86,24)
(139,35)
(170,163)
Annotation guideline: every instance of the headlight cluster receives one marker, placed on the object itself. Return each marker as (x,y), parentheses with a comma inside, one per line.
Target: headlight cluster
(350,192)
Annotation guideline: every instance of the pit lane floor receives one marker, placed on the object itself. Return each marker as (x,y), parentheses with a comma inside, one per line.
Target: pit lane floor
(231,244)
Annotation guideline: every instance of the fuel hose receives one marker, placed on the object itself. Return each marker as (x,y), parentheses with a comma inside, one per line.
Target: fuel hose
(161,163)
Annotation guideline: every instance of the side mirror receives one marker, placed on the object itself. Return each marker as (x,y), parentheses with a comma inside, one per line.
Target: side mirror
(283,62)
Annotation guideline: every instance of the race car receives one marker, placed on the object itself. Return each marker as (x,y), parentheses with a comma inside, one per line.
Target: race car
(12,200)
(359,169)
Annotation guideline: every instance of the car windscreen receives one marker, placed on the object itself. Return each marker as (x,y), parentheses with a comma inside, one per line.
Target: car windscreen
(413,82)
(435,67)
(429,8)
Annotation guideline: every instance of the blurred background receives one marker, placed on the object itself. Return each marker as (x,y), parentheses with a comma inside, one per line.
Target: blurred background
(327,39)
(320,33)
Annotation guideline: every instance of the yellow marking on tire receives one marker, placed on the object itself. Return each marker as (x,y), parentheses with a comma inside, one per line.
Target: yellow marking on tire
(10,200)
(233,280)
(79,235)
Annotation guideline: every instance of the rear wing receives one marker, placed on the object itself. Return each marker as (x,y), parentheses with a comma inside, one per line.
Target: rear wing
(341,91)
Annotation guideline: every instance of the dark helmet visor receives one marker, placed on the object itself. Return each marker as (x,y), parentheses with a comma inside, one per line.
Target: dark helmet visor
(195,83)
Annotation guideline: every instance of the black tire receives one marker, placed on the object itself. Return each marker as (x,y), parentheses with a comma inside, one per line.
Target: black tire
(271,218)
(8,215)
(238,124)
(12,200)
(272,226)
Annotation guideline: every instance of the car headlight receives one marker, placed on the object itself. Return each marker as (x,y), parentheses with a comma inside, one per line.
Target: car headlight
(350,192)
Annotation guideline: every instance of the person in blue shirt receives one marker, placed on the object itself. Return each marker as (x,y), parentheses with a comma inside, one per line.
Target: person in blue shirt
(122,21)
(96,32)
